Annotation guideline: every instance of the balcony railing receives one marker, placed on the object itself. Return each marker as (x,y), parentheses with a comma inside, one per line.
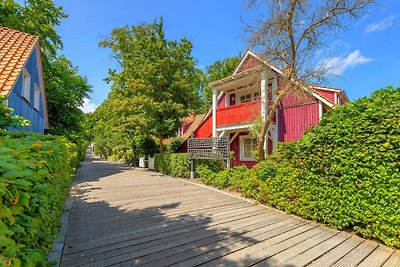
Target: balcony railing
(241,113)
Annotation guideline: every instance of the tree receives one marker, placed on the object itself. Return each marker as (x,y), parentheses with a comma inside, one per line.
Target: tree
(65,90)
(37,17)
(218,70)
(290,34)
(155,84)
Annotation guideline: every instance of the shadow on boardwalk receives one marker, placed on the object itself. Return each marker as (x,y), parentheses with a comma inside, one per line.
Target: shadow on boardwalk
(113,223)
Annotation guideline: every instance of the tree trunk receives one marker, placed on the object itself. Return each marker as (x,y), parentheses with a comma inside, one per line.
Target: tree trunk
(271,112)
(161,145)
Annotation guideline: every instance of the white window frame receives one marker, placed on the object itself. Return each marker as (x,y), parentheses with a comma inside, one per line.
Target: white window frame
(26,85)
(241,139)
(36,97)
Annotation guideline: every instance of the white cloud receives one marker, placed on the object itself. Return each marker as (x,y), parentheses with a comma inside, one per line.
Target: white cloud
(380,25)
(88,106)
(338,65)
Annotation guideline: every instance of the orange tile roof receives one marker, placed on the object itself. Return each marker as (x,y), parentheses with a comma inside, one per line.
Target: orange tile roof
(15,49)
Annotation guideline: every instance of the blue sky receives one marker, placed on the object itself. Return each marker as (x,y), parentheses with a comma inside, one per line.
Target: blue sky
(367,56)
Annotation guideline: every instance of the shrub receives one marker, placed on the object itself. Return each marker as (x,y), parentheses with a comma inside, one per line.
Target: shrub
(175,144)
(35,175)
(178,164)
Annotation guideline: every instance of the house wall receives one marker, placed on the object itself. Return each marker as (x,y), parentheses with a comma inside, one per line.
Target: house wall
(250,63)
(330,95)
(20,105)
(296,116)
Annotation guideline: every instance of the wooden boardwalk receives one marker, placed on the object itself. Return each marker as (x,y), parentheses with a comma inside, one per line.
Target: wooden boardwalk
(130,217)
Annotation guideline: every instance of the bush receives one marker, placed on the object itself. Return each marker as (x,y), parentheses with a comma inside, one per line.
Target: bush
(178,164)
(344,172)
(36,172)
(175,144)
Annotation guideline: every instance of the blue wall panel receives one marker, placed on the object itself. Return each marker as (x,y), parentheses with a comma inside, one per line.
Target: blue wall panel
(25,108)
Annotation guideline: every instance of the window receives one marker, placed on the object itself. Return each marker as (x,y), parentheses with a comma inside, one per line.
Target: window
(245,98)
(26,85)
(248,144)
(257,95)
(36,98)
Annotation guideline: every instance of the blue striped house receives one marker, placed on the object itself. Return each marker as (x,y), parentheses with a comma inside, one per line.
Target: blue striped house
(21,77)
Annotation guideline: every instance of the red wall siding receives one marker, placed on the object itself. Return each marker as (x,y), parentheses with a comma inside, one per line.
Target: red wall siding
(293,121)
(205,129)
(240,113)
(330,95)
(296,100)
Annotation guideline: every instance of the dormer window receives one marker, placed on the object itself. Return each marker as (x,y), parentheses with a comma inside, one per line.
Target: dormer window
(26,85)
(36,98)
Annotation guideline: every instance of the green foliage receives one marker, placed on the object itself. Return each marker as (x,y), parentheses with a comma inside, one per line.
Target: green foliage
(8,120)
(175,144)
(144,145)
(155,86)
(65,91)
(344,172)
(178,164)
(218,70)
(37,17)
(35,175)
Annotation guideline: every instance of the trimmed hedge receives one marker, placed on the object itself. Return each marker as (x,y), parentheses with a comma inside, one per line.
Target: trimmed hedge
(36,172)
(345,172)
(178,164)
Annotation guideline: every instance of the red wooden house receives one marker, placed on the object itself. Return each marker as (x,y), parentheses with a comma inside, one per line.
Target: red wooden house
(241,98)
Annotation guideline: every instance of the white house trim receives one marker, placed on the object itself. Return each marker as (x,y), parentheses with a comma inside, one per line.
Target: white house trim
(320,110)
(241,147)
(231,127)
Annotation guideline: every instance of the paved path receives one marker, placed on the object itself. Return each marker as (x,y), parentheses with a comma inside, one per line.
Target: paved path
(123,216)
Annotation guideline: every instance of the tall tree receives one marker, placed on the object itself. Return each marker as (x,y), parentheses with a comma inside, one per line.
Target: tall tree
(155,82)
(290,33)
(37,17)
(65,92)
(218,70)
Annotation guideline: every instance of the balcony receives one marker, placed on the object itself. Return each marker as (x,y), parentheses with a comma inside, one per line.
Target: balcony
(237,114)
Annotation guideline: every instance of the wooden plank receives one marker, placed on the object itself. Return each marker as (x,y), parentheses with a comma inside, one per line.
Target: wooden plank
(162,233)
(337,253)
(164,227)
(146,216)
(378,257)
(394,260)
(235,253)
(304,258)
(255,233)
(129,252)
(160,220)
(357,255)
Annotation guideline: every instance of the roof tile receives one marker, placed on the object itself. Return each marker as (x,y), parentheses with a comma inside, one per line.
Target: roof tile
(15,48)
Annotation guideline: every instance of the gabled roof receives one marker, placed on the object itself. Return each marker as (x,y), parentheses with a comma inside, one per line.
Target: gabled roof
(249,53)
(15,49)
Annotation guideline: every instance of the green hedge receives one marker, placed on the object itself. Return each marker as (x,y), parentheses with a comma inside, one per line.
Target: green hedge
(345,172)
(36,172)
(178,164)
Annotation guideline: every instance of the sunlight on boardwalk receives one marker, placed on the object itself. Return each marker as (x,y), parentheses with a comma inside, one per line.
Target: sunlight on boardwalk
(123,216)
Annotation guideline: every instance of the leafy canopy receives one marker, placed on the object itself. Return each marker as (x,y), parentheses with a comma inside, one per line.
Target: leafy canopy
(156,82)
